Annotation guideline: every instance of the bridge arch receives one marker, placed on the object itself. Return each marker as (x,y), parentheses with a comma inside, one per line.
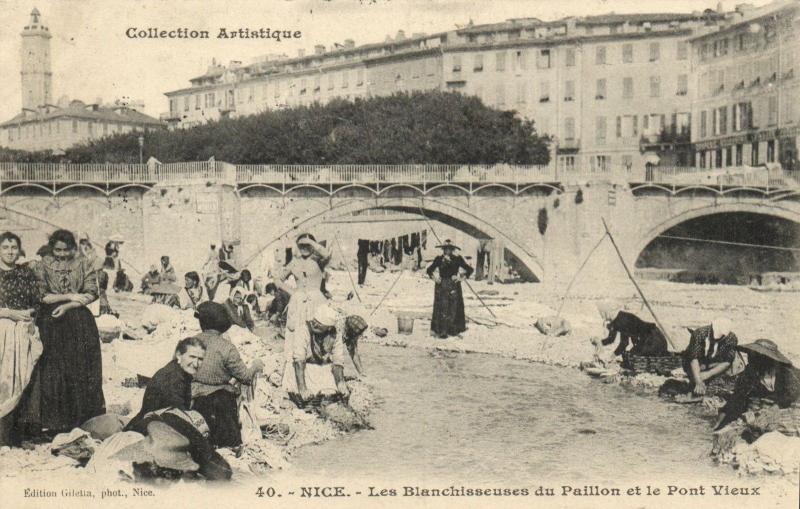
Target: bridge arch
(767,209)
(455,216)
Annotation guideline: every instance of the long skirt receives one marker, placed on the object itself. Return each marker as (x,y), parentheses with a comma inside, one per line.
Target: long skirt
(299,311)
(448,309)
(20,349)
(221,412)
(67,385)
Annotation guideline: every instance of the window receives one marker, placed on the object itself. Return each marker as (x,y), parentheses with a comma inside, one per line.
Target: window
(569,129)
(359,77)
(739,150)
(600,55)
(186,103)
(655,51)
(520,61)
(600,163)
(543,59)
(569,57)
(173,106)
(566,163)
(723,120)
(317,84)
(683,50)
(330,82)
(683,85)
(477,64)
(500,95)
(600,130)
(105,128)
(11,134)
(655,86)
(345,79)
(456,64)
(544,94)
(754,154)
(773,112)
(600,93)
(627,53)
(75,122)
(569,90)
(741,42)
(729,156)
(522,93)
(702,160)
(500,61)
(303,86)
(703,124)
(771,151)
(627,126)
(251,94)
(627,88)
(627,162)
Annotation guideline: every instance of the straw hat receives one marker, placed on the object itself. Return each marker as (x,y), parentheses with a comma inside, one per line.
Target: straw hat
(119,239)
(767,348)
(448,243)
(326,315)
(163,446)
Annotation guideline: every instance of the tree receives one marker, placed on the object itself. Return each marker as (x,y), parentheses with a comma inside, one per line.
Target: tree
(422,128)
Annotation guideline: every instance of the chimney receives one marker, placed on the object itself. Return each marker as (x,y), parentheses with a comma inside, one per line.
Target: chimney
(720,8)
(319,49)
(349,43)
(401,36)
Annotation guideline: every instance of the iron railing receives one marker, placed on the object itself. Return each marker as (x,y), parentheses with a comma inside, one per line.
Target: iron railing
(412,174)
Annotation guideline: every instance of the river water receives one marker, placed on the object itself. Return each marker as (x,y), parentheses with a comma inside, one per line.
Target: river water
(466,418)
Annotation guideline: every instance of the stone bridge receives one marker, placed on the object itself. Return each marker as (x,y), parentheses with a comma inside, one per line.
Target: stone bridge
(549,220)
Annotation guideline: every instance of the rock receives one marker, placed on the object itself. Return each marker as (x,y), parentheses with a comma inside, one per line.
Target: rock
(553,326)
(381,332)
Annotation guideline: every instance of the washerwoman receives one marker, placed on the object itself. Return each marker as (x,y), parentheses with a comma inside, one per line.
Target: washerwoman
(448,301)
(67,388)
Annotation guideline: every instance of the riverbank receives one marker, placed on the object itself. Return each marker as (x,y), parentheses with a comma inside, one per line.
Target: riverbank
(508,331)
(278,428)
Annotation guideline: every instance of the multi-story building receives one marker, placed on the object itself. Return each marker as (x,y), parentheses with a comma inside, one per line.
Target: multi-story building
(45,125)
(615,89)
(746,111)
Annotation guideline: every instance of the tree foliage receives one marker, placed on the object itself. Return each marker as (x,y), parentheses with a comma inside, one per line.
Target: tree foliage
(430,127)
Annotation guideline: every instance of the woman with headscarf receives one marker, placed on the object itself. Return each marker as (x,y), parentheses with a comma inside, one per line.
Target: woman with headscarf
(67,388)
(448,301)
(647,339)
(769,375)
(711,352)
(214,396)
(20,347)
(167,273)
(238,310)
(192,294)
(307,270)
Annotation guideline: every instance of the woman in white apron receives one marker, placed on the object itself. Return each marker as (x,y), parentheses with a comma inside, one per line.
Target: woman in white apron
(308,271)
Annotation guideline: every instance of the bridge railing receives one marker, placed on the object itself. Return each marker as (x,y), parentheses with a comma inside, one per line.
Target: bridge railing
(413,174)
(393,174)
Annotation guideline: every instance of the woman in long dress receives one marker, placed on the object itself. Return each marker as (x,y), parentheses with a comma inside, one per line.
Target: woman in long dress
(308,272)
(20,347)
(448,301)
(67,389)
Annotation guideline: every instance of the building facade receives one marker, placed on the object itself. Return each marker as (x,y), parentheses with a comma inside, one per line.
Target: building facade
(609,90)
(746,111)
(47,125)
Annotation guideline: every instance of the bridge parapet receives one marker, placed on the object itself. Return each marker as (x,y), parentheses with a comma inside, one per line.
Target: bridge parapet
(285,177)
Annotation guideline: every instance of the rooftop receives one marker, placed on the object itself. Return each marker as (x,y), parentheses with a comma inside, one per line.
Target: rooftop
(79,110)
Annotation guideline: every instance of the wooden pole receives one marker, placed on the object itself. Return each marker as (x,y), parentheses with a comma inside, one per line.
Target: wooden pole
(387,292)
(347,267)
(635,284)
(574,277)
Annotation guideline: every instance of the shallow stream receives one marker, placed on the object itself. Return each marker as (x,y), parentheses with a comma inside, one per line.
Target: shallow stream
(467,418)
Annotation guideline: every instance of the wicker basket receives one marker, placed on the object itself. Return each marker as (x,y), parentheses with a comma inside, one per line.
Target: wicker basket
(662,365)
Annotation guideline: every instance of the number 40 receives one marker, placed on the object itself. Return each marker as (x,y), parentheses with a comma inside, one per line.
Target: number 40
(269,492)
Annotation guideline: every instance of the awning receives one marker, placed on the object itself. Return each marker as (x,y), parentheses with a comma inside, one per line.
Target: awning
(651,158)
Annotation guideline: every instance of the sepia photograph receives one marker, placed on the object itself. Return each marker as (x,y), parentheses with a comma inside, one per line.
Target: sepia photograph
(400,253)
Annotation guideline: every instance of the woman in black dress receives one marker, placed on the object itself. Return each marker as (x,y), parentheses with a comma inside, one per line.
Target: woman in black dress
(448,301)
(67,388)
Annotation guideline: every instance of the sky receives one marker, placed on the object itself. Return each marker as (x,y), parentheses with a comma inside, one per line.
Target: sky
(92,57)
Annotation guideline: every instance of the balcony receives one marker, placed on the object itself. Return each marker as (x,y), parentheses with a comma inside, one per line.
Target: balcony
(569,145)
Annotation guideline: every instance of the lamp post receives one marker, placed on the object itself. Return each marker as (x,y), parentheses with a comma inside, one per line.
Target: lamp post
(141,148)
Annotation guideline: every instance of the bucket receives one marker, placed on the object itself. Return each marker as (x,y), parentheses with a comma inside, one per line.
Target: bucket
(405,324)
